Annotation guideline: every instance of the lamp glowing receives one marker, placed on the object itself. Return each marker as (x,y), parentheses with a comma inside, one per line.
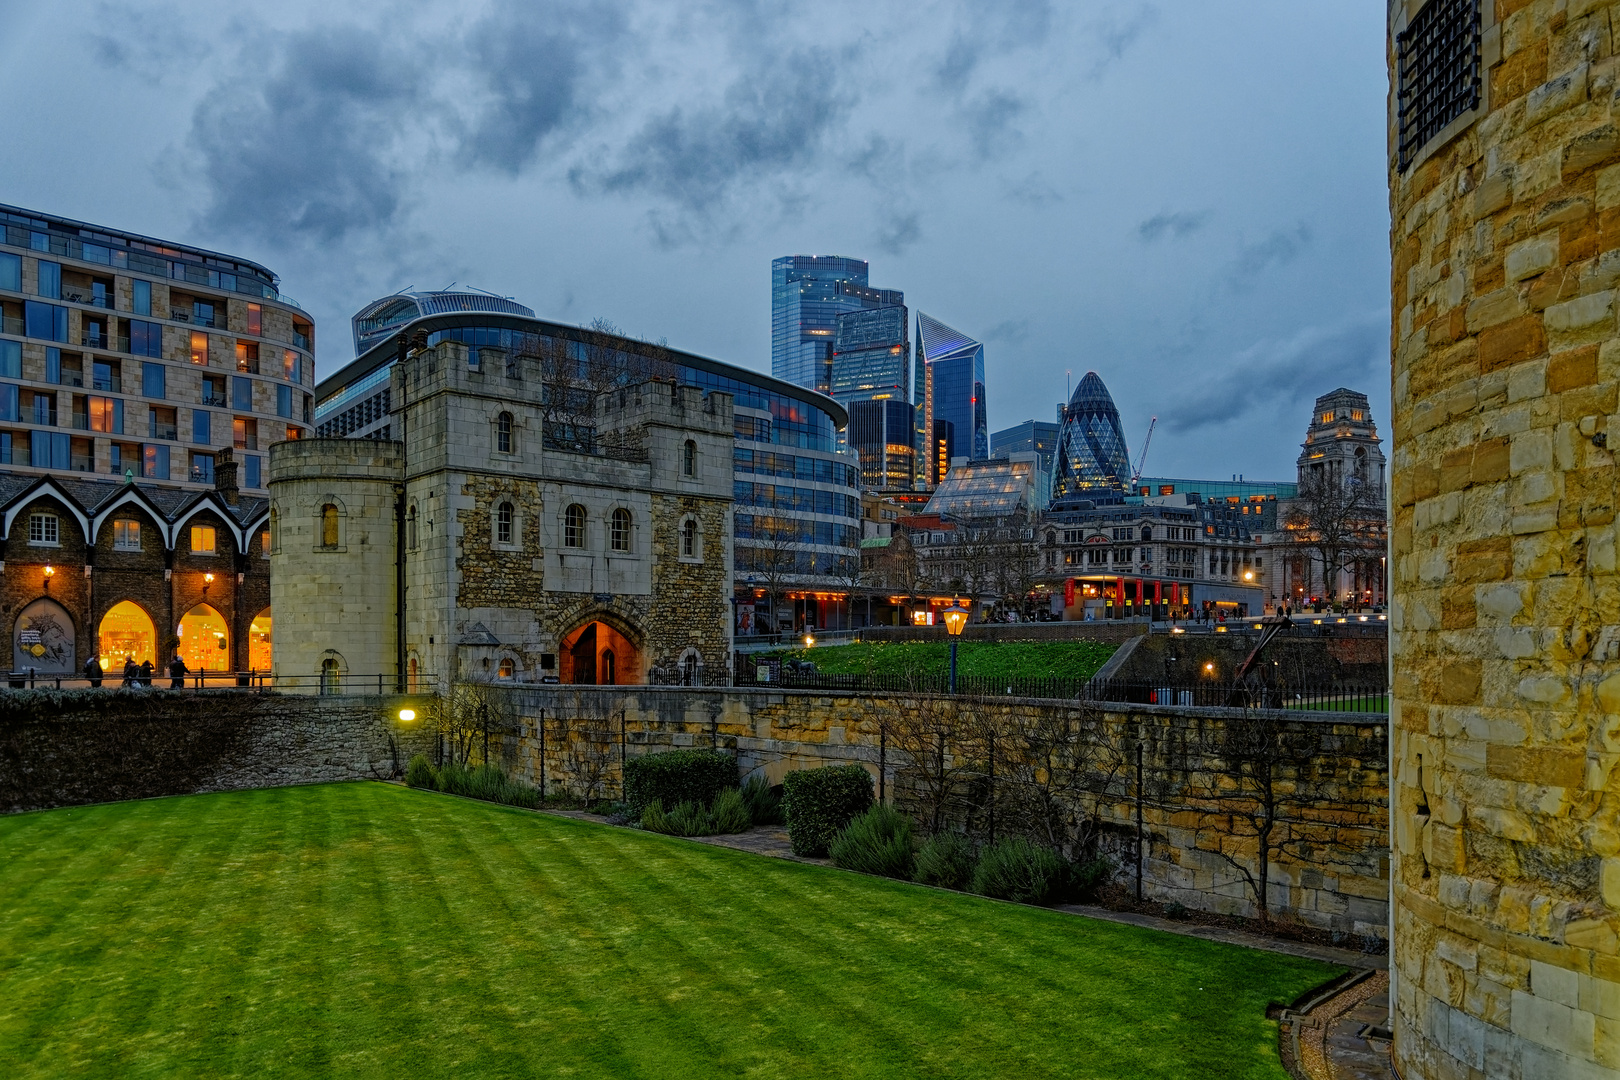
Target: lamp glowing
(809,640)
(209,578)
(407,715)
(1248,575)
(1210,667)
(50,572)
(956,618)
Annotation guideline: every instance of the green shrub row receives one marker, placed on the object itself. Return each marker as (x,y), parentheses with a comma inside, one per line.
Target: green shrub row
(729,814)
(678,776)
(876,842)
(485,782)
(820,802)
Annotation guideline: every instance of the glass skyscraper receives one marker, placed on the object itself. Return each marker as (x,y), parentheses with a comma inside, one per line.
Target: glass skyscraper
(1037,437)
(950,388)
(1093,462)
(808,293)
(871,368)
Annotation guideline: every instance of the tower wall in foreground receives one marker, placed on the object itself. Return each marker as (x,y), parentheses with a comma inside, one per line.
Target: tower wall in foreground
(1505,624)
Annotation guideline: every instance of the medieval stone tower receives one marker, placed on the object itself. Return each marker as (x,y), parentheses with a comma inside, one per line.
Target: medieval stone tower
(493,543)
(1504,173)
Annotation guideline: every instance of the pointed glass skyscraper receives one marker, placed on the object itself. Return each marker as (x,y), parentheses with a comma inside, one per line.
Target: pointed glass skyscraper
(1092,461)
(950,390)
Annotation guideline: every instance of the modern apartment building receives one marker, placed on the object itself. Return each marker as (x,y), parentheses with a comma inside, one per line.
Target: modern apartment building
(140,358)
(808,293)
(797,518)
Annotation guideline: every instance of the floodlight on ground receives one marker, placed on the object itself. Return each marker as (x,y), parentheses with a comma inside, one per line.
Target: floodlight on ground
(407,715)
(809,640)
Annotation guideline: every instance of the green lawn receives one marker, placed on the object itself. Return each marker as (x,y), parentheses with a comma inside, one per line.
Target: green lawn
(990,659)
(369,930)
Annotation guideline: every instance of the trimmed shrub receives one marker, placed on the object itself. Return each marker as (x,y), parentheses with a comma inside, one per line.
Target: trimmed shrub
(678,776)
(764,802)
(487,782)
(1015,869)
(947,860)
(729,814)
(820,802)
(1085,878)
(878,842)
(687,819)
(420,773)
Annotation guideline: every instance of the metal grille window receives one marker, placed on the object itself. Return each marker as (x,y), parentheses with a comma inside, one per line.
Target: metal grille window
(1439,71)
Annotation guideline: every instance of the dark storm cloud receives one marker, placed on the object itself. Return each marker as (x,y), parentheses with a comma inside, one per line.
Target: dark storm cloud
(1271,376)
(1118,31)
(533,61)
(898,231)
(989,119)
(775,116)
(1278,248)
(1010,331)
(1176,225)
(312,150)
(986,29)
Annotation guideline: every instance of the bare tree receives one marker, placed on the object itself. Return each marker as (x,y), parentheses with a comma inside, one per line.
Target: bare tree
(922,730)
(574,373)
(1337,522)
(1056,771)
(474,717)
(775,554)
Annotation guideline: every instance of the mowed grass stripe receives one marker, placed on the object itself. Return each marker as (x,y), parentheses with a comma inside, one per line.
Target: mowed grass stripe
(366,930)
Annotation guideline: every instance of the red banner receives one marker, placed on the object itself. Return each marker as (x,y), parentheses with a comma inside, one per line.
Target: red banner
(1068,593)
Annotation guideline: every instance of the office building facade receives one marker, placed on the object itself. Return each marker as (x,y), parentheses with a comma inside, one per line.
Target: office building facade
(1092,463)
(808,293)
(128,356)
(871,376)
(950,389)
(797,519)
(1036,437)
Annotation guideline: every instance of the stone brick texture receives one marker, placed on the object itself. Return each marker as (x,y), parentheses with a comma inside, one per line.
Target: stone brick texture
(1332,874)
(1504,635)
(74,747)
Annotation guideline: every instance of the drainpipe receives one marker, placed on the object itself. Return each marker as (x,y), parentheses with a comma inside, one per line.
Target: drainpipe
(399,538)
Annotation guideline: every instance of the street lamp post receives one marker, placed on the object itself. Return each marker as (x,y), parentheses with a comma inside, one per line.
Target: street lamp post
(956,617)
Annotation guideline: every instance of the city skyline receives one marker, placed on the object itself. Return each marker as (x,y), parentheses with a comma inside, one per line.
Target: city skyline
(1218,275)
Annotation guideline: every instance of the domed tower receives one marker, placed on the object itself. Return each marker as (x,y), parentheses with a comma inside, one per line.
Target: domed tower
(1504,179)
(1091,461)
(1342,444)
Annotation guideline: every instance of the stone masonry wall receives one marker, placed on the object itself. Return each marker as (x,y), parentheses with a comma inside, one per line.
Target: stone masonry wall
(1332,794)
(1504,633)
(71,748)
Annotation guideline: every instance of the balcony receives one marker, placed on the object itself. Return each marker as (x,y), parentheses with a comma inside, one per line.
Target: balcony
(10,325)
(96,341)
(165,431)
(80,296)
(301,340)
(216,399)
(251,367)
(111,383)
(81,421)
(82,463)
(182,315)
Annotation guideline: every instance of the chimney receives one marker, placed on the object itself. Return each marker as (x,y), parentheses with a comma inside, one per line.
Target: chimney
(225,475)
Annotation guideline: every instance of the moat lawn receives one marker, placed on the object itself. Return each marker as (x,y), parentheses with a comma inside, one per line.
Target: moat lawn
(369,930)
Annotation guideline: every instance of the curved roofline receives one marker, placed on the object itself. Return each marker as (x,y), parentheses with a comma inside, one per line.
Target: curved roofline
(139,238)
(383,353)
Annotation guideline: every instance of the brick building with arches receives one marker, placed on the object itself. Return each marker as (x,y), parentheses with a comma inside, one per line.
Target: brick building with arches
(131,571)
(487,545)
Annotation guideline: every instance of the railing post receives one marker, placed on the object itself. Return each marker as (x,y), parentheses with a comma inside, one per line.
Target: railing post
(1139,822)
(542,755)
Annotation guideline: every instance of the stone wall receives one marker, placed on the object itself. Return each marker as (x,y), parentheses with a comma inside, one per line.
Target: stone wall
(70,748)
(1298,657)
(1505,641)
(1330,781)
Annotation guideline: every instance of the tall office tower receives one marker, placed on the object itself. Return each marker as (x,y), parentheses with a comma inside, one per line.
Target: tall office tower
(140,358)
(1092,461)
(881,433)
(951,387)
(808,293)
(871,368)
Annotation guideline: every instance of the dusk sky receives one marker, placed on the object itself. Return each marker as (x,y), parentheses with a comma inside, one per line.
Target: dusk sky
(1188,198)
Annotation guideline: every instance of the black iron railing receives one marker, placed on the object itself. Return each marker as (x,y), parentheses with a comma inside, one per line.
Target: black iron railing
(252,681)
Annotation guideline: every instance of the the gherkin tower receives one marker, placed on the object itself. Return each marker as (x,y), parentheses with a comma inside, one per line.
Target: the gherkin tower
(1091,462)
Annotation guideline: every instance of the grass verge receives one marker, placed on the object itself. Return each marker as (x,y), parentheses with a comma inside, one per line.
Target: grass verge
(975,659)
(371,930)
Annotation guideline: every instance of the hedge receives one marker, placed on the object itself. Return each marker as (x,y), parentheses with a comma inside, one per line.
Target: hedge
(820,802)
(678,776)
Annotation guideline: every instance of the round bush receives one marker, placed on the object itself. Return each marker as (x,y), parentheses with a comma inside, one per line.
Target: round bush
(421,774)
(1015,869)
(820,802)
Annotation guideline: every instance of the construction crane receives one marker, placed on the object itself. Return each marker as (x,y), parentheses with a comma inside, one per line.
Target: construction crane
(1141,459)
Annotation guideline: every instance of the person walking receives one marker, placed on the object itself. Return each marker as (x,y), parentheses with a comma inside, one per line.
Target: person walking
(145,676)
(177,673)
(93,672)
(131,672)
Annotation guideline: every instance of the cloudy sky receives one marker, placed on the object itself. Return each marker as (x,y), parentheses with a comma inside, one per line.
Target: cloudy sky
(1185,196)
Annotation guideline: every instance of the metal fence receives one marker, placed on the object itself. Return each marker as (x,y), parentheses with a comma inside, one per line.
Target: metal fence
(1330,697)
(249,681)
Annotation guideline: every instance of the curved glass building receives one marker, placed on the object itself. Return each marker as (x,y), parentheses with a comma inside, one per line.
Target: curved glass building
(798,507)
(1092,462)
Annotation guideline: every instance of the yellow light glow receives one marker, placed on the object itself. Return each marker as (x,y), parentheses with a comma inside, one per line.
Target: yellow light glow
(809,640)
(1248,575)
(1209,667)
(50,571)
(407,715)
(208,578)
(956,618)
